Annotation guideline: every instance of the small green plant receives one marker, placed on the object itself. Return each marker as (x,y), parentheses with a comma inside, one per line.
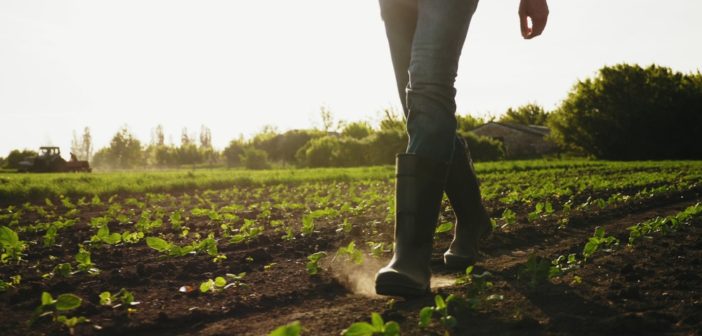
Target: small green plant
(292,329)
(213,285)
(50,235)
(477,283)
(12,246)
(598,240)
(508,218)
(103,236)
(535,271)
(351,252)
(208,245)
(307,224)
(376,327)
(378,249)
(56,307)
(85,263)
(663,225)
(14,281)
(249,230)
(123,298)
(563,264)
(440,310)
(63,270)
(312,265)
(443,228)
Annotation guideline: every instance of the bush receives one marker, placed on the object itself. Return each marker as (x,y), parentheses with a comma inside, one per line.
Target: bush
(384,145)
(253,158)
(632,113)
(319,152)
(16,156)
(483,148)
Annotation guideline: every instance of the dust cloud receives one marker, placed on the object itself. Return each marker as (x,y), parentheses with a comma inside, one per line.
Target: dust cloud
(360,279)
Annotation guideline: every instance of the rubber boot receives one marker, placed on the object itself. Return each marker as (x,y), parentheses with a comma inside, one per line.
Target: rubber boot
(418,192)
(472,221)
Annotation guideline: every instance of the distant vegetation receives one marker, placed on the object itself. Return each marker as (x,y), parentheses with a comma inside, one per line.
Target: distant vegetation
(632,113)
(626,112)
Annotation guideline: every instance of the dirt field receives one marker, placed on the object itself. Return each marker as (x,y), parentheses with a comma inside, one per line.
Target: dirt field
(651,288)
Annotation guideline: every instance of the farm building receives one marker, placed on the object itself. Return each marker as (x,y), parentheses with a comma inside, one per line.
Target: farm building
(520,141)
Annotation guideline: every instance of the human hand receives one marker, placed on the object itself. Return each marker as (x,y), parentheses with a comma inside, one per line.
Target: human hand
(537,10)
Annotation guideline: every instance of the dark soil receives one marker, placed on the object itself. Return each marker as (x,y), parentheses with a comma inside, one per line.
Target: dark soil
(654,288)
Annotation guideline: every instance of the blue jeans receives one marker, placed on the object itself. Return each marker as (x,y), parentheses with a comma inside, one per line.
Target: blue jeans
(426,38)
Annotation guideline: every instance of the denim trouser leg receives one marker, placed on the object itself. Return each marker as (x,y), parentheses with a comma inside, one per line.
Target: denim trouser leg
(426,38)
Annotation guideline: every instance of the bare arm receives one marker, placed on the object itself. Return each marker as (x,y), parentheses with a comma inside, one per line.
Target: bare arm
(537,11)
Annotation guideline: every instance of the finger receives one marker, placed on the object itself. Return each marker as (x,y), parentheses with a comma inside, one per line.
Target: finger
(538,26)
(524,25)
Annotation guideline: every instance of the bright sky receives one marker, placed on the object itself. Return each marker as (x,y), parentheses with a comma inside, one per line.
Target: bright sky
(236,65)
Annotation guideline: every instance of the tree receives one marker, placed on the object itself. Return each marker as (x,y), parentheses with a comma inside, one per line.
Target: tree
(392,121)
(157,136)
(327,119)
(468,122)
(632,113)
(86,145)
(205,137)
(253,158)
(124,151)
(357,130)
(16,156)
(529,114)
(233,152)
(76,147)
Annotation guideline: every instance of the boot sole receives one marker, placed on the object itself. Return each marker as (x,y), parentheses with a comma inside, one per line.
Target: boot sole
(394,284)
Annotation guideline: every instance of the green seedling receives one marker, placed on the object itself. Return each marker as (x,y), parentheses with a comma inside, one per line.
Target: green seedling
(63,270)
(476,283)
(15,280)
(132,237)
(443,228)
(12,246)
(563,265)
(376,327)
(535,271)
(85,264)
(208,245)
(176,219)
(345,226)
(50,235)
(56,307)
(378,249)
(307,224)
(235,280)
(663,225)
(598,240)
(123,298)
(351,252)
(248,231)
(508,218)
(213,285)
(439,309)
(292,329)
(312,265)
(289,234)
(103,236)
(96,200)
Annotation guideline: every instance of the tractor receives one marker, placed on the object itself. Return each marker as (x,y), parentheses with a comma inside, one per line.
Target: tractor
(49,160)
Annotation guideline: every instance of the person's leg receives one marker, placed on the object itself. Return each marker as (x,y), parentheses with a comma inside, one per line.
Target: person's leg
(421,173)
(400,18)
(436,48)
(472,221)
